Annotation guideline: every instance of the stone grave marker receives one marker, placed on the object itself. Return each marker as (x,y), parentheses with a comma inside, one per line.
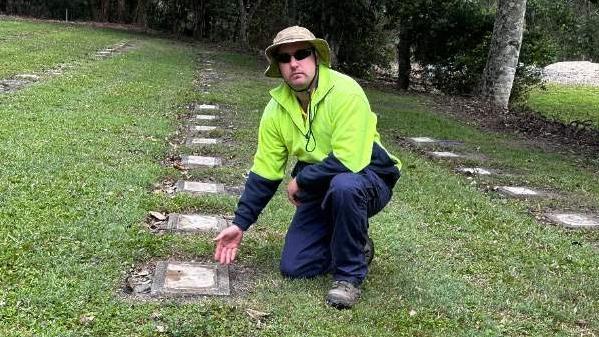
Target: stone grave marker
(195,223)
(202,141)
(200,161)
(444,154)
(574,220)
(206,117)
(203,128)
(207,107)
(28,77)
(421,140)
(475,171)
(195,187)
(518,192)
(189,279)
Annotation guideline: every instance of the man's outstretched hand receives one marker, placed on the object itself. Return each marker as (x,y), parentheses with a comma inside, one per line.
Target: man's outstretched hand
(227,243)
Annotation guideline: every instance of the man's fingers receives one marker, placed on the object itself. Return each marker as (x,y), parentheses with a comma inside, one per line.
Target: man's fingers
(223,256)
(228,256)
(233,254)
(218,249)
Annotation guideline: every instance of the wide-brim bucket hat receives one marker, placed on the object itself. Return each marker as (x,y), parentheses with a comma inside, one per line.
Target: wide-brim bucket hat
(295,34)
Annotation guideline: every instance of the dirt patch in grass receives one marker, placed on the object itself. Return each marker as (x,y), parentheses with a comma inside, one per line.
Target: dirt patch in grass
(577,138)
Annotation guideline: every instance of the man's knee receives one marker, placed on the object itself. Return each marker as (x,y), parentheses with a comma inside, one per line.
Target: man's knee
(289,270)
(293,269)
(346,184)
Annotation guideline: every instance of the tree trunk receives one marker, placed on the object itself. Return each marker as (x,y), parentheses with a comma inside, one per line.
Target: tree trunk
(498,77)
(120,11)
(104,8)
(141,17)
(243,24)
(404,55)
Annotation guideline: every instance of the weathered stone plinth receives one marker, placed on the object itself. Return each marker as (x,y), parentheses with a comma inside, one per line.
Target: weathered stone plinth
(475,171)
(195,223)
(206,107)
(421,140)
(444,155)
(189,279)
(195,187)
(191,162)
(575,220)
(206,117)
(518,192)
(202,128)
(202,141)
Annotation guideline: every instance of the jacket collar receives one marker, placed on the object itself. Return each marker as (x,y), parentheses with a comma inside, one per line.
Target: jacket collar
(286,97)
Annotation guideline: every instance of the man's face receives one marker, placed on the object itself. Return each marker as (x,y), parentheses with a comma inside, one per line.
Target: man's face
(297,73)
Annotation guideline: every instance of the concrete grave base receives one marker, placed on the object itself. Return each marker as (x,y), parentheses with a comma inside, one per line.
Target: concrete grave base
(203,128)
(200,161)
(190,279)
(574,220)
(206,107)
(421,140)
(444,154)
(432,141)
(206,117)
(195,223)
(202,141)
(518,192)
(474,171)
(195,187)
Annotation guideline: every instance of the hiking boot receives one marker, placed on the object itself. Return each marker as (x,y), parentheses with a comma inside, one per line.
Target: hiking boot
(343,295)
(369,250)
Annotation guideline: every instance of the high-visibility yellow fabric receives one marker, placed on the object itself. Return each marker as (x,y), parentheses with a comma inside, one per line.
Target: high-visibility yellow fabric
(343,124)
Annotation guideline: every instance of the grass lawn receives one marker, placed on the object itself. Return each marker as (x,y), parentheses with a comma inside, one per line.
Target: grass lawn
(83,151)
(567,103)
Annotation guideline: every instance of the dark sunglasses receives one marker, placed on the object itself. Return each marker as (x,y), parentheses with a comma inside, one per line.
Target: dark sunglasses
(298,56)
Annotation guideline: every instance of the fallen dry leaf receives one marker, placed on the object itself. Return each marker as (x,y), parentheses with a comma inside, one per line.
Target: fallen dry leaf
(86,319)
(158,215)
(257,315)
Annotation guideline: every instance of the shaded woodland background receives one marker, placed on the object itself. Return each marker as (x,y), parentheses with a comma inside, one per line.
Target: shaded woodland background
(445,43)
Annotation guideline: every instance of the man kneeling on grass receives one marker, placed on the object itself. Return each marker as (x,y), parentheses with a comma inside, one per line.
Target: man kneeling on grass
(343,175)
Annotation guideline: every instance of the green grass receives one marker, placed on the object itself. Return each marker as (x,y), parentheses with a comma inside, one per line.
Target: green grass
(567,103)
(27,47)
(85,149)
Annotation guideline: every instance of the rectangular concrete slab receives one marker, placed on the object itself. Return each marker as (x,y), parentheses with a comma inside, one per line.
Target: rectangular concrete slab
(474,171)
(514,191)
(207,107)
(195,187)
(190,278)
(200,161)
(203,128)
(574,220)
(195,223)
(421,140)
(444,154)
(202,141)
(206,117)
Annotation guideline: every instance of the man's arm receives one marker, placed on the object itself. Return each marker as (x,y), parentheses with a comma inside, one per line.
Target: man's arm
(262,183)
(256,195)
(258,192)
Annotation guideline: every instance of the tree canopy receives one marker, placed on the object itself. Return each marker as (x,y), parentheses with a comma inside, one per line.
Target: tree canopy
(446,41)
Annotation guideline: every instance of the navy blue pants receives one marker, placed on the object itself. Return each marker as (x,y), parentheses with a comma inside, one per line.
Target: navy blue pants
(329,230)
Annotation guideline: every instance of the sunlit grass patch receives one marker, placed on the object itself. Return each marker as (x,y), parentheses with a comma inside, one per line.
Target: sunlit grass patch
(567,103)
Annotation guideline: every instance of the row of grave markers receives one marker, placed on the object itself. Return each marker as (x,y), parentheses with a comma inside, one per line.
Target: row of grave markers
(568,220)
(20,81)
(181,278)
